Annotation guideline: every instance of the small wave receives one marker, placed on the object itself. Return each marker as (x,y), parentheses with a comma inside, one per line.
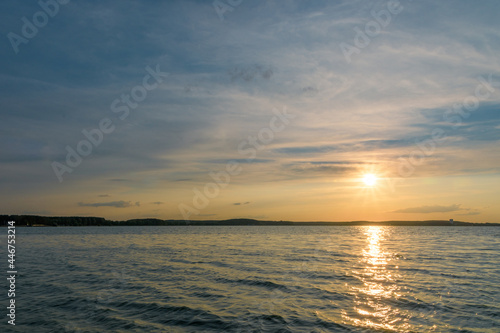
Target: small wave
(206,295)
(258,283)
(171,315)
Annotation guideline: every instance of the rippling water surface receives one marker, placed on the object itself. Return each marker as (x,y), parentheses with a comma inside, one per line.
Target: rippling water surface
(257,279)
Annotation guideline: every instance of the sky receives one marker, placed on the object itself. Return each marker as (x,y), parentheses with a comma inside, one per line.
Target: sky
(272,110)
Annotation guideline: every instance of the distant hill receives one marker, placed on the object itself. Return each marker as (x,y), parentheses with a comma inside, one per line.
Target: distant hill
(34,220)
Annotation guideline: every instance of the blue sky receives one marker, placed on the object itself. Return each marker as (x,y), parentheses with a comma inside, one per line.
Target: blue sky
(225,77)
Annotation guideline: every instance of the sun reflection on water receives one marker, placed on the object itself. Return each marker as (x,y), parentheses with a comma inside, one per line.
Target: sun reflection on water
(377,289)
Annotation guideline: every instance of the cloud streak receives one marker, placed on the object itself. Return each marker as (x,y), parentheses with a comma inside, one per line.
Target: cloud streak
(429,209)
(115,204)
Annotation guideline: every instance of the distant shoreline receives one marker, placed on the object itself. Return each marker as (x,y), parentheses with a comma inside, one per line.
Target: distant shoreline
(78,221)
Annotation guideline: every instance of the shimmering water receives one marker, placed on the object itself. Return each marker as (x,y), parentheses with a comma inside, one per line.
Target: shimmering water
(257,279)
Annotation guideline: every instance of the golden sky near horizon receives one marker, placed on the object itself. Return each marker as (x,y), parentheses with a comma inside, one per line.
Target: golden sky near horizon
(302,111)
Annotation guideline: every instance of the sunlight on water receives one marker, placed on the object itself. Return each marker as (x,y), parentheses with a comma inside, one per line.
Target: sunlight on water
(379,286)
(252,279)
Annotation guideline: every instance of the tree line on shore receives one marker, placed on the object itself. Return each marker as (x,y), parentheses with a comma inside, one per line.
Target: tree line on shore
(54,221)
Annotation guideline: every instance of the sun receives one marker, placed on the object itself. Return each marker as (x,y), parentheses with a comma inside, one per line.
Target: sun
(370,179)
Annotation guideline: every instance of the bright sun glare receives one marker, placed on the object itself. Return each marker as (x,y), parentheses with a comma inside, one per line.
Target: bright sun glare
(370,179)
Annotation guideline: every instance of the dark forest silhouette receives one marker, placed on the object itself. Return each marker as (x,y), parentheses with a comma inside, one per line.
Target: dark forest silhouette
(34,220)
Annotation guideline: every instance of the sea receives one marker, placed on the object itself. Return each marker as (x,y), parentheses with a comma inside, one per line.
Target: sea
(254,279)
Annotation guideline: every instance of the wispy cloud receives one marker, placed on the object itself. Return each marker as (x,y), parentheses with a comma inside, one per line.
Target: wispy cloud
(241,160)
(249,73)
(116,204)
(241,203)
(323,169)
(429,209)
(471,212)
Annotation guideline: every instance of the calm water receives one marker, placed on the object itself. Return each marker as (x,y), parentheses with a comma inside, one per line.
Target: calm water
(256,279)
